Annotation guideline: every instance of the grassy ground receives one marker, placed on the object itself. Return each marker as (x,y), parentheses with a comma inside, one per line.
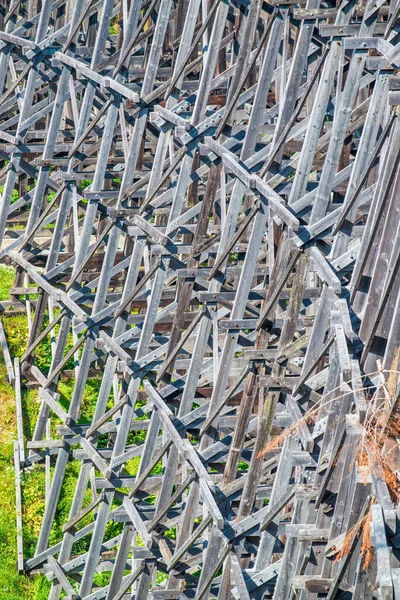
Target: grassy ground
(12,585)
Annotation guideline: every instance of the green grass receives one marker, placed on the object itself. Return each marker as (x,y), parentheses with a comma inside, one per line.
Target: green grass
(7,275)
(12,585)
(14,194)
(114,25)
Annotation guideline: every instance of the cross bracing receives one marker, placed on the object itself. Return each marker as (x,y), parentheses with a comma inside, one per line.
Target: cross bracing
(206,197)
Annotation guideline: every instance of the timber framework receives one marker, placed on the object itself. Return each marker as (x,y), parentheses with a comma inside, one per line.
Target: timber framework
(201,201)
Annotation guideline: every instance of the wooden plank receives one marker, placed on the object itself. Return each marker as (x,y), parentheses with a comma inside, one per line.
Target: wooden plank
(382,553)
(6,354)
(18,504)
(19,412)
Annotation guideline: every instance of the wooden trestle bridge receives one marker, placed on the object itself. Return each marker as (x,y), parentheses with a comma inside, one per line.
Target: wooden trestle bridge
(205,197)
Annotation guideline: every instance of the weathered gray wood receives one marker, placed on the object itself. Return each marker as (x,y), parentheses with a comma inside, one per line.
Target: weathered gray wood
(18,505)
(229,275)
(382,553)
(6,355)
(19,411)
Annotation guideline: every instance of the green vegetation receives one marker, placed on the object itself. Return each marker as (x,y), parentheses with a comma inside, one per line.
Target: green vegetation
(22,587)
(114,25)
(12,585)
(7,275)
(85,183)
(14,194)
